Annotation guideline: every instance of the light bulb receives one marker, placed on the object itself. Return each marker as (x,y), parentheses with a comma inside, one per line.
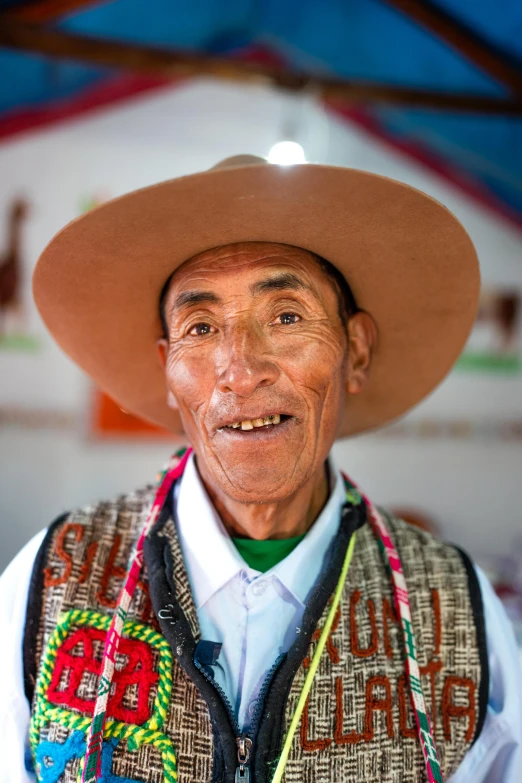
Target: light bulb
(286,153)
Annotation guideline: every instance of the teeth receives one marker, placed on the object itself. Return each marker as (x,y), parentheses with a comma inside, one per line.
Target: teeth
(249,424)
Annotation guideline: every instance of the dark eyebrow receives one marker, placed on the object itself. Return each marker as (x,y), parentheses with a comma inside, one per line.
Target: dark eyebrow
(189,298)
(281,282)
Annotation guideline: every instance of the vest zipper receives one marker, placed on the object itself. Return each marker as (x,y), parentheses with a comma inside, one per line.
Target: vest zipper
(244,741)
(262,693)
(244,745)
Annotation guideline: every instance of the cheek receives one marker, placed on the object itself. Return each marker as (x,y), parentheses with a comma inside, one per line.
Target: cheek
(318,364)
(190,377)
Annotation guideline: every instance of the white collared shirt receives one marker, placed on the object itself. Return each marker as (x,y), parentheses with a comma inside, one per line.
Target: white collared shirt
(214,564)
(255,616)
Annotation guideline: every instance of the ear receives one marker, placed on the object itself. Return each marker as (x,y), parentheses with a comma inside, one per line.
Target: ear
(162,348)
(362,339)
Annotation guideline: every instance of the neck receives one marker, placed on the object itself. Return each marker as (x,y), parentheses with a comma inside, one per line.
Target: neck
(287,518)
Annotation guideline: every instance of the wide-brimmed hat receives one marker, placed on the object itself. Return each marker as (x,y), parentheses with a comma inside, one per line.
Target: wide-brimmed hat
(408,260)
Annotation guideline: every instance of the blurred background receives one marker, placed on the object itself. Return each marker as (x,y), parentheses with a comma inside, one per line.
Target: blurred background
(99,98)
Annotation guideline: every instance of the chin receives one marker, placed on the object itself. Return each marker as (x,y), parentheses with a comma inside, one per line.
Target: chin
(260,482)
(258,467)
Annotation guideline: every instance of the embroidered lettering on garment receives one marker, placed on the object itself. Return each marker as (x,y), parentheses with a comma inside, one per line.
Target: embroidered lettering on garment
(334,738)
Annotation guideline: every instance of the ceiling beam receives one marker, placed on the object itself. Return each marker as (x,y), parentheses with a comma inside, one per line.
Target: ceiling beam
(48,10)
(168,64)
(493,61)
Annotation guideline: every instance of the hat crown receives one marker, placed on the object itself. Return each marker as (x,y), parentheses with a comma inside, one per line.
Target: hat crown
(238,161)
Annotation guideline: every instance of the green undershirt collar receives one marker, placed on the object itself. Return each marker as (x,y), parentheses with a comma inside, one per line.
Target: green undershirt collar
(264,555)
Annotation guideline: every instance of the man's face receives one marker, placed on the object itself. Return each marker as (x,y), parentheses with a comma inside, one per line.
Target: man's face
(255,337)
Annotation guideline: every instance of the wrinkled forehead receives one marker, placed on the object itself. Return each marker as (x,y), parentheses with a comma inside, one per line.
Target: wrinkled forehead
(240,257)
(254,268)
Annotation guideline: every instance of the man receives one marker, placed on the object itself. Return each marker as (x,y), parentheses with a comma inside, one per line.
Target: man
(255,617)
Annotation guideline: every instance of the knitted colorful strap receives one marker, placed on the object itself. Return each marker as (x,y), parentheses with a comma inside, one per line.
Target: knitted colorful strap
(92,766)
(402,606)
(354,495)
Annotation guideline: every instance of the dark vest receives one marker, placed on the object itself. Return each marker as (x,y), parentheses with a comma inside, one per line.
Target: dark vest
(168,722)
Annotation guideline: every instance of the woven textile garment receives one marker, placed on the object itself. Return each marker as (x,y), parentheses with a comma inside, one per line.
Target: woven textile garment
(166,720)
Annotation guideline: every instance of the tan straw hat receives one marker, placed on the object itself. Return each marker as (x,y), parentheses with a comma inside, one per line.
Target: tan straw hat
(408,260)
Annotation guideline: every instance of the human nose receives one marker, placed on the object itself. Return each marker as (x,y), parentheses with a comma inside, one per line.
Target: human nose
(248,365)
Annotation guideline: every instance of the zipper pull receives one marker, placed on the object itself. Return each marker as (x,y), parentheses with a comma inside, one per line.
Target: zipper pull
(243,756)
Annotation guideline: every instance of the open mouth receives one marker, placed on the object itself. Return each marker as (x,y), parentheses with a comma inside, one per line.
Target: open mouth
(265,422)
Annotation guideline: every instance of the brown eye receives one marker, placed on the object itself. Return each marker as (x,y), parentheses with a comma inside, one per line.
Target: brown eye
(288,318)
(201,329)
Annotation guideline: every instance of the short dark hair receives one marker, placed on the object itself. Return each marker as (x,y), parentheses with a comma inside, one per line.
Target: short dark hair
(347,306)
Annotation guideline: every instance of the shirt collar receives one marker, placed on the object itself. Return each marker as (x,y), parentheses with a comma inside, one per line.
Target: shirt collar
(209,553)
(300,570)
(211,558)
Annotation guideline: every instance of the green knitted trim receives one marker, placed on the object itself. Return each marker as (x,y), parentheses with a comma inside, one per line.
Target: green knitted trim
(135,736)
(352,493)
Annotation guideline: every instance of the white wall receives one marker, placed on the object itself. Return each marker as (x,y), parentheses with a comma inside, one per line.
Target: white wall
(471,487)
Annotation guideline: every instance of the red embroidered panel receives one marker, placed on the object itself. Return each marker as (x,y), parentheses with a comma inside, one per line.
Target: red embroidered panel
(76,659)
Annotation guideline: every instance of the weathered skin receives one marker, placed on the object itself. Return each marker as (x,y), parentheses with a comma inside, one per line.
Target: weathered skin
(251,353)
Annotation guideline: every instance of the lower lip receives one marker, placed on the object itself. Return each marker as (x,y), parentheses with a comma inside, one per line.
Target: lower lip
(268,432)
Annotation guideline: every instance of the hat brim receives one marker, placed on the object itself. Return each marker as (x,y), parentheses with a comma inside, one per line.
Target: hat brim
(409,261)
